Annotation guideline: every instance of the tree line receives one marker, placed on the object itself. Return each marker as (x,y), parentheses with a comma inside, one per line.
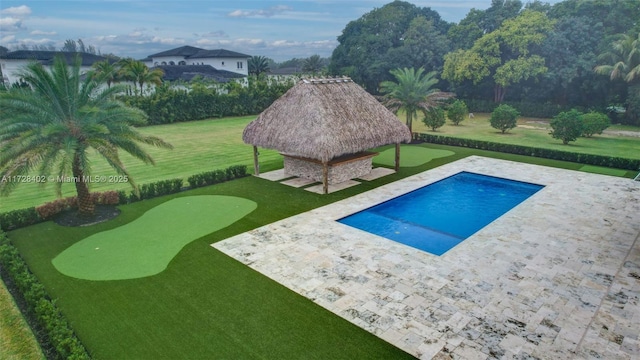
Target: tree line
(576,53)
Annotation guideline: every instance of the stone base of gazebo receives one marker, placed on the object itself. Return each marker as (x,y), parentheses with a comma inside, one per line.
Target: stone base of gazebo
(339,169)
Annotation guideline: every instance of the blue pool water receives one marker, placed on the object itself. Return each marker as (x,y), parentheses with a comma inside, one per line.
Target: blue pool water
(439,216)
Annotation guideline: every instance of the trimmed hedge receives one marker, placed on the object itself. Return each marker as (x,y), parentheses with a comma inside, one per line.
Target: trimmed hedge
(528,109)
(589,159)
(41,309)
(19,218)
(217,176)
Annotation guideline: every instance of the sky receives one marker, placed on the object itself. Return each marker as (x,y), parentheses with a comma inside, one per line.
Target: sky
(280,30)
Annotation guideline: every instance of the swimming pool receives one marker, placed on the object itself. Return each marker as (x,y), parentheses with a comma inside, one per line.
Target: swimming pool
(437,217)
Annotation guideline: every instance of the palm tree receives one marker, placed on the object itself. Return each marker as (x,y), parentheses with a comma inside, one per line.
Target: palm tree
(258,65)
(623,63)
(412,92)
(140,74)
(312,64)
(50,126)
(105,69)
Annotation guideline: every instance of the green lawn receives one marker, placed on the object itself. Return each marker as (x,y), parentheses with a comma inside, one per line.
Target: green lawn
(205,304)
(535,132)
(16,340)
(198,146)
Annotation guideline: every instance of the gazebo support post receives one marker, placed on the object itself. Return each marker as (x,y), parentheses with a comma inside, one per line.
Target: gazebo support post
(325,177)
(397,160)
(256,165)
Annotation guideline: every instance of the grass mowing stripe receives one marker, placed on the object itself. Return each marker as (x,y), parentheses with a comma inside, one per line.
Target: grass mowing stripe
(145,246)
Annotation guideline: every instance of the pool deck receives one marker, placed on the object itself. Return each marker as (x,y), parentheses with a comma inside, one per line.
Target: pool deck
(557,277)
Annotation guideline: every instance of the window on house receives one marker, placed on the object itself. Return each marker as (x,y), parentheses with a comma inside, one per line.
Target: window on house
(164,63)
(171,63)
(239,64)
(223,63)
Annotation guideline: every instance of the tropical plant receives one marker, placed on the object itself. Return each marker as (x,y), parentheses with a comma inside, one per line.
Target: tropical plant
(412,91)
(50,126)
(434,118)
(504,118)
(457,111)
(106,70)
(594,123)
(258,65)
(312,64)
(623,63)
(139,73)
(567,126)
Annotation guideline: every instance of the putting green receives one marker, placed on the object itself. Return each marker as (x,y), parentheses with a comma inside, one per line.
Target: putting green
(603,170)
(410,156)
(145,246)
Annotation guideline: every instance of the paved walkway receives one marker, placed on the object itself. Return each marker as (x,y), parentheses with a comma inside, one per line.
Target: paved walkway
(557,277)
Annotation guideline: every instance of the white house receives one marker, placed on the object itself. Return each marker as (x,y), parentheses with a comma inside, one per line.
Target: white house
(220,59)
(13,62)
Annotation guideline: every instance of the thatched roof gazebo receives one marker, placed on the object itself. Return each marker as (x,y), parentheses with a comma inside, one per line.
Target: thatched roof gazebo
(325,122)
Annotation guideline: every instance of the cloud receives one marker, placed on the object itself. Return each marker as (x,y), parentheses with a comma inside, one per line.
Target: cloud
(214,34)
(269,12)
(11,24)
(45,33)
(18,11)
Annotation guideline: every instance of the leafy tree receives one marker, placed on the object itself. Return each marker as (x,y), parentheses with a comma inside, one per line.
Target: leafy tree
(423,45)
(457,111)
(504,118)
(50,127)
(368,46)
(594,123)
(504,53)
(623,63)
(312,64)
(412,91)
(567,126)
(434,118)
(258,65)
(480,22)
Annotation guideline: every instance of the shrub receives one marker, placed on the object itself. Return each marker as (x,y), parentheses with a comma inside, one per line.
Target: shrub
(217,176)
(594,123)
(19,218)
(434,118)
(504,118)
(457,112)
(40,308)
(567,126)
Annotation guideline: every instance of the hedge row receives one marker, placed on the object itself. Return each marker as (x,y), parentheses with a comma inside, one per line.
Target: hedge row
(589,159)
(524,108)
(41,310)
(24,217)
(217,176)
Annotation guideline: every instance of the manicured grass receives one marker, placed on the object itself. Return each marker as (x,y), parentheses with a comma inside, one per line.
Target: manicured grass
(410,156)
(145,247)
(205,304)
(535,132)
(199,146)
(603,170)
(16,339)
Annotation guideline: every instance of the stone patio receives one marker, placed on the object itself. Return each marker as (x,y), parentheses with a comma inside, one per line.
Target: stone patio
(557,277)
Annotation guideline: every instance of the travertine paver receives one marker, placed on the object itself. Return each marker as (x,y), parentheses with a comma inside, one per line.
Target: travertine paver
(557,277)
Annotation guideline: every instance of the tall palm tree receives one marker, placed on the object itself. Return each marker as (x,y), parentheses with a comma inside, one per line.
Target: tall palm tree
(105,69)
(623,62)
(258,65)
(312,64)
(50,126)
(412,91)
(140,74)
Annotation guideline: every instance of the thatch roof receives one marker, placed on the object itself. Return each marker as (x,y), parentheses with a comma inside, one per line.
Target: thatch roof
(325,118)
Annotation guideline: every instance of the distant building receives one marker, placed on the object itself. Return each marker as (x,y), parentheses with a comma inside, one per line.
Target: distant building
(14,61)
(219,59)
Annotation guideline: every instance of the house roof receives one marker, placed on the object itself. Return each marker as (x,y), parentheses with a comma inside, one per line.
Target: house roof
(188,72)
(325,118)
(192,52)
(47,57)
